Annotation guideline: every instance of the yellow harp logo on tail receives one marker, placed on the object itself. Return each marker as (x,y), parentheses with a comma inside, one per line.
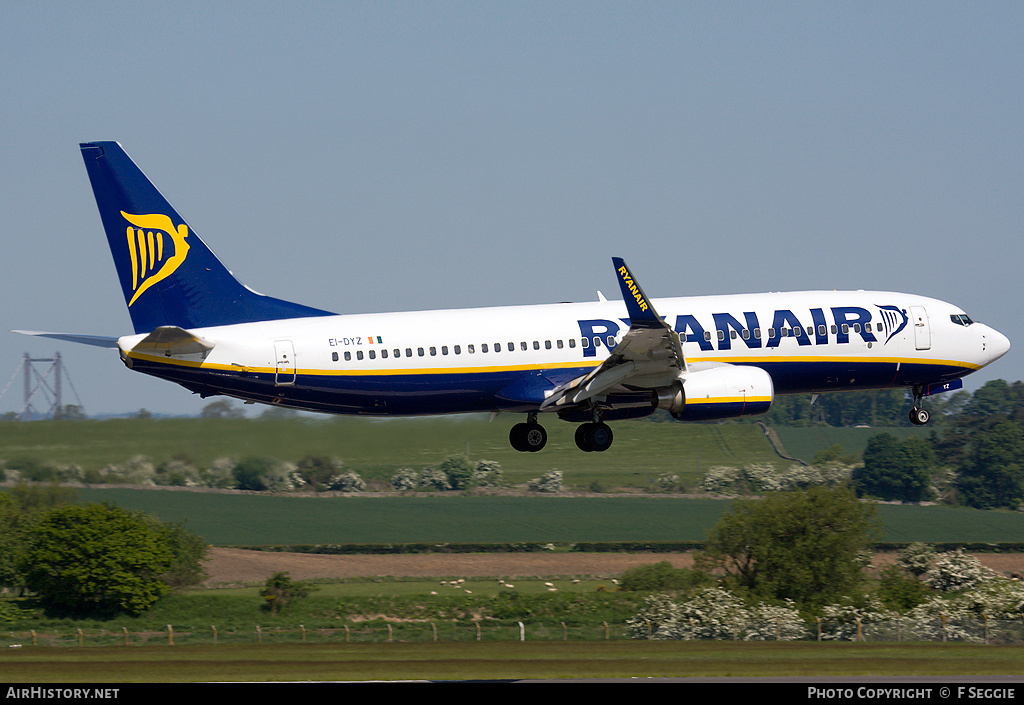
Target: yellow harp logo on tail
(156,248)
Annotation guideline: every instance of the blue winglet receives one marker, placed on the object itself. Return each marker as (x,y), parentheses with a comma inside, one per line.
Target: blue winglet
(641,311)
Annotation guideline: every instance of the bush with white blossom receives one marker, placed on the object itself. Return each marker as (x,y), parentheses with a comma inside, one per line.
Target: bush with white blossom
(916,558)
(549,482)
(714,613)
(348,481)
(760,478)
(405,479)
(956,570)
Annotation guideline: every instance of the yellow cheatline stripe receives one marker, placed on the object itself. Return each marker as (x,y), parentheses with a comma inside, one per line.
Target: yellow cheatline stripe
(408,371)
(357,373)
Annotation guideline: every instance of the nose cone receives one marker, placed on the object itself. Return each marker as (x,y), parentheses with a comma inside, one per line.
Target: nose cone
(995,345)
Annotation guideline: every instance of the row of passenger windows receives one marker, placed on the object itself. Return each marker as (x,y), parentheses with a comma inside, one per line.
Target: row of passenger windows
(471,349)
(790,332)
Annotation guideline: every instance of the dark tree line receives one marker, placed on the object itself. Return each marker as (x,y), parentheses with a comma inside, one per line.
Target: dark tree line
(979,437)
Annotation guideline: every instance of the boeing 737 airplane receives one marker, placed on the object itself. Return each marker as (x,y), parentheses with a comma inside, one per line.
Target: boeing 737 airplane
(699,358)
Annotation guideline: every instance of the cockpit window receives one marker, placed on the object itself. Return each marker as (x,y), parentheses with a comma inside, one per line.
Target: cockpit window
(961,319)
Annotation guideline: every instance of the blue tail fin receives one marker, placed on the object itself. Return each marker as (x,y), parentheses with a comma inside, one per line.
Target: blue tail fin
(168,275)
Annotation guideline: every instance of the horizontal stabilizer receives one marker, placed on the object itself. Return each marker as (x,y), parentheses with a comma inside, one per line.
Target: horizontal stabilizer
(100,341)
(171,341)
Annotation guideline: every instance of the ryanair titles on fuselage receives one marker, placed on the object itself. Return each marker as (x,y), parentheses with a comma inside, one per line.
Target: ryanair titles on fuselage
(818,326)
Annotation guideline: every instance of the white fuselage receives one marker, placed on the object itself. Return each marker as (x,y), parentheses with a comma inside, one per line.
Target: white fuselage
(463,360)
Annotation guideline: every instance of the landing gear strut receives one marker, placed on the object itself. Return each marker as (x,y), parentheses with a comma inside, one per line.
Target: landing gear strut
(919,416)
(528,437)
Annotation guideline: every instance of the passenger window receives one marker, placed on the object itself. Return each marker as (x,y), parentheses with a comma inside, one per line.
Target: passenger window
(497,347)
(334,356)
(373,354)
(444,349)
(483,347)
(359,354)
(822,329)
(586,343)
(471,349)
(536,345)
(433,351)
(384,354)
(408,352)
(458,349)
(572,342)
(522,345)
(419,351)
(547,344)
(559,344)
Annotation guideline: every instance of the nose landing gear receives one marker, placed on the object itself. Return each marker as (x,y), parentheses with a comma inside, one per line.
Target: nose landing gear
(919,416)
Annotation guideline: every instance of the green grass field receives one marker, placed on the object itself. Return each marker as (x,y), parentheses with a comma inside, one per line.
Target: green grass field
(376,448)
(253,519)
(501,660)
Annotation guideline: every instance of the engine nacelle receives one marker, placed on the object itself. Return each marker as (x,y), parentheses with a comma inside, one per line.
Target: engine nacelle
(720,392)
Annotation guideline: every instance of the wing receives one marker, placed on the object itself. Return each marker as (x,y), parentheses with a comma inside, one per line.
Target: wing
(648,356)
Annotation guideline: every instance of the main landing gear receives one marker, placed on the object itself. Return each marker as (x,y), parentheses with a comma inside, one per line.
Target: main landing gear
(530,437)
(919,416)
(594,437)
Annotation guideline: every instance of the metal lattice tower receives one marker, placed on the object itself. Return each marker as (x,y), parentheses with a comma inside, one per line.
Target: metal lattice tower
(47,386)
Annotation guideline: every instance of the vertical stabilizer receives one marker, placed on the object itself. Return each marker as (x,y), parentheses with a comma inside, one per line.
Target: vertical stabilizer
(168,275)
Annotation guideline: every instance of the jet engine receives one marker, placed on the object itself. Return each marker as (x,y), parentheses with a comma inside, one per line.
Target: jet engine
(719,392)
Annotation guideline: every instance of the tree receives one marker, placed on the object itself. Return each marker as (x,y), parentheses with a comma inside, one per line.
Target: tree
(458,470)
(96,559)
(805,545)
(280,590)
(895,469)
(221,409)
(21,508)
(991,475)
(187,553)
(662,576)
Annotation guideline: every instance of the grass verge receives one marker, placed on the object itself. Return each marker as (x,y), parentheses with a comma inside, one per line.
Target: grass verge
(501,660)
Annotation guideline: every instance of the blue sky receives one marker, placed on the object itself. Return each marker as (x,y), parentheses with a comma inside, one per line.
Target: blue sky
(381,156)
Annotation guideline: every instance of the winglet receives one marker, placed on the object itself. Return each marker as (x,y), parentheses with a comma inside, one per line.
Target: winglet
(641,311)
